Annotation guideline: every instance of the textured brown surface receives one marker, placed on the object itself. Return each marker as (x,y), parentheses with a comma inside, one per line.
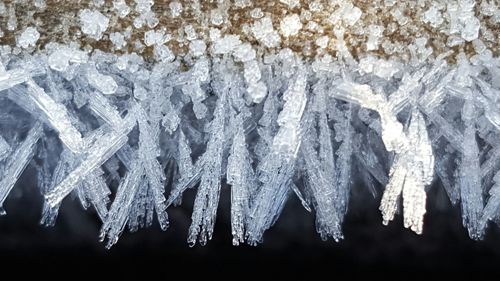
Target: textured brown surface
(59,23)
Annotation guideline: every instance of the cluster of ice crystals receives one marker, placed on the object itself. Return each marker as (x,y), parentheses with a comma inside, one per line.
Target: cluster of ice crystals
(291,3)
(61,57)
(28,38)
(175,8)
(433,16)
(104,83)
(118,40)
(121,8)
(153,37)
(290,25)
(375,32)
(264,32)
(218,109)
(93,23)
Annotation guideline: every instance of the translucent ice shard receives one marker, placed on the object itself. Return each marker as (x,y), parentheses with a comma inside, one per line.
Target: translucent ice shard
(278,166)
(99,152)
(185,163)
(28,38)
(56,115)
(104,83)
(240,176)
(207,197)
(490,211)
(102,108)
(4,148)
(119,212)
(11,78)
(18,161)
(413,166)
(323,186)
(148,154)
(93,23)
(469,175)
(421,173)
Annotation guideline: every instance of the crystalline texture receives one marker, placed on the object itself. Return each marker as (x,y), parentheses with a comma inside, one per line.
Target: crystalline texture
(207,198)
(118,214)
(279,163)
(413,166)
(240,177)
(18,162)
(93,23)
(28,38)
(55,113)
(100,151)
(469,178)
(4,148)
(491,209)
(290,25)
(104,83)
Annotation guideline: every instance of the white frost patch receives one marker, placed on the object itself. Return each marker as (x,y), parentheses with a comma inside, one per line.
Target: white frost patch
(94,24)
(153,37)
(290,25)
(104,83)
(28,38)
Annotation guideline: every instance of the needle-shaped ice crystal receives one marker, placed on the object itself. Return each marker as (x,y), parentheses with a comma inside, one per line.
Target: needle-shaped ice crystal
(148,154)
(490,211)
(240,176)
(469,176)
(413,166)
(11,78)
(278,165)
(119,212)
(4,148)
(207,198)
(57,116)
(99,152)
(18,161)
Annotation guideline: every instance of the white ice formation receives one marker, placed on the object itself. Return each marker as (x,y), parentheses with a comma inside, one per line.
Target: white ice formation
(162,112)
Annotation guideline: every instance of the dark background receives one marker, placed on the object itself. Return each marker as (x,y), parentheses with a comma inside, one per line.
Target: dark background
(291,248)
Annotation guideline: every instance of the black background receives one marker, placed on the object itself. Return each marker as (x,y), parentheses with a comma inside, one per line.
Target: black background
(291,249)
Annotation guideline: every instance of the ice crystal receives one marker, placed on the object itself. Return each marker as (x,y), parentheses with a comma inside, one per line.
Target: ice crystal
(93,23)
(28,38)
